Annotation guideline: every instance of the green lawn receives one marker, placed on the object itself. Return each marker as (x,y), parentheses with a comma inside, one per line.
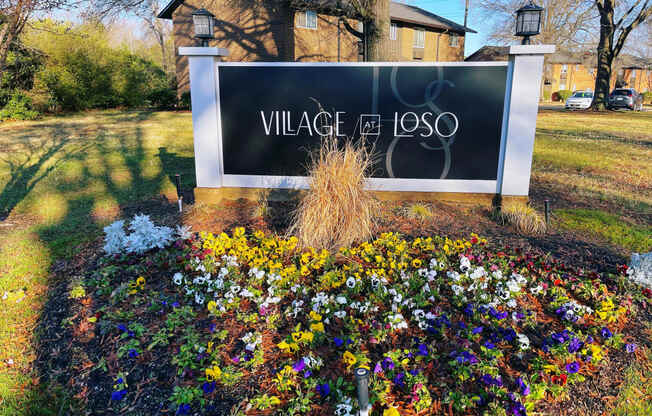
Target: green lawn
(596,168)
(63,178)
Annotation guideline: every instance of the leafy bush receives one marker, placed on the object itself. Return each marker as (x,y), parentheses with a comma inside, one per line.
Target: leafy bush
(547,95)
(84,70)
(337,210)
(19,107)
(563,95)
(185,102)
(647,97)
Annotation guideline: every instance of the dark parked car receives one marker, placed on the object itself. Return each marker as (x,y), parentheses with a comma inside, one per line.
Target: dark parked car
(626,98)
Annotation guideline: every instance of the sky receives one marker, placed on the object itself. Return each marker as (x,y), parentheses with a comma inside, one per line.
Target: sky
(454,10)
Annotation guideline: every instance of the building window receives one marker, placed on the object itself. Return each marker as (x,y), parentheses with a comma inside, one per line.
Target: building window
(307,19)
(454,40)
(419,38)
(564,69)
(392,31)
(562,86)
(577,67)
(633,76)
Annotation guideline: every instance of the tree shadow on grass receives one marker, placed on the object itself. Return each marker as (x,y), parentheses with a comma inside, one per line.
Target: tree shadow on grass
(29,163)
(116,175)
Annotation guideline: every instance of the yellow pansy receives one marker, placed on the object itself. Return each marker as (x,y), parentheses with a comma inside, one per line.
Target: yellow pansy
(416,263)
(349,359)
(213,373)
(274,400)
(285,347)
(315,316)
(317,327)
(391,412)
(211,306)
(140,282)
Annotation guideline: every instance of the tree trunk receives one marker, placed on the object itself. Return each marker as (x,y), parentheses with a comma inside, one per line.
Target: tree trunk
(377,33)
(5,40)
(605,60)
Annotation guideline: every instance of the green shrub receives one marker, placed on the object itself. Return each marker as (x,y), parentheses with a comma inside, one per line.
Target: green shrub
(19,107)
(185,101)
(547,95)
(563,95)
(647,97)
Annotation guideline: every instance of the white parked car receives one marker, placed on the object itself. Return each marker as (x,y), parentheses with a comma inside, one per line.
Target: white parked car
(580,100)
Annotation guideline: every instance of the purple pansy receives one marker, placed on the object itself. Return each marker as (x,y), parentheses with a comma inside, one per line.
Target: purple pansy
(299,365)
(573,367)
(323,389)
(118,395)
(208,387)
(606,333)
(630,348)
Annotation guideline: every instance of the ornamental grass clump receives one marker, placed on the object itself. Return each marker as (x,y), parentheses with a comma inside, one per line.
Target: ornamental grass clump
(336,211)
(523,217)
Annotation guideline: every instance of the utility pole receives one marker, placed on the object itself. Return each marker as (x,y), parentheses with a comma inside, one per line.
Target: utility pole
(466,12)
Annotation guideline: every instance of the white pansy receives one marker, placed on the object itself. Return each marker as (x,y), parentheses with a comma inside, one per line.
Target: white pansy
(458,290)
(375,282)
(523,341)
(177,278)
(454,276)
(341,300)
(340,314)
(350,282)
(397,321)
(497,274)
(478,272)
(199,298)
(511,303)
(513,286)
(431,275)
(425,288)
(535,290)
(465,264)
(189,290)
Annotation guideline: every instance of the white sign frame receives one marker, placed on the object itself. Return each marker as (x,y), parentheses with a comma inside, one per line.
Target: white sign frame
(524,73)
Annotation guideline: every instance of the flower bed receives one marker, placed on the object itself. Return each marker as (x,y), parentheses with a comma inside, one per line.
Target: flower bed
(442,325)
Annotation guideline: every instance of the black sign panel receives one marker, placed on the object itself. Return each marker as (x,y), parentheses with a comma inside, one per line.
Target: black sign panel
(427,122)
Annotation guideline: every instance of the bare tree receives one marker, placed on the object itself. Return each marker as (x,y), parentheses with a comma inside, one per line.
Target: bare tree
(160,29)
(613,35)
(568,24)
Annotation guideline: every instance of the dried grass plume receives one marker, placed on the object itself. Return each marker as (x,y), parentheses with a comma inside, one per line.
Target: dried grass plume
(336,211)
(523,217)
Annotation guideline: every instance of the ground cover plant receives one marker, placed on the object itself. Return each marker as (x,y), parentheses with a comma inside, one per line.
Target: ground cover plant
(444,326)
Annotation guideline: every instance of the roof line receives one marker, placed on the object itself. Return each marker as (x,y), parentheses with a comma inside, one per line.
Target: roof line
(167,11)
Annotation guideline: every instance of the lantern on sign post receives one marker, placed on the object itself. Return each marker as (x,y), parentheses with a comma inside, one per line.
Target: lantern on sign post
(528,21)
(204,22)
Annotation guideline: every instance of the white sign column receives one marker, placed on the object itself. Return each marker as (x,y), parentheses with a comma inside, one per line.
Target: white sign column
(522,106)
(206,124)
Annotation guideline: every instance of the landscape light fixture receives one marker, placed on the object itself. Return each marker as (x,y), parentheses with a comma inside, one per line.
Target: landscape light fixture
(204,22)
(362,381)
(528,21)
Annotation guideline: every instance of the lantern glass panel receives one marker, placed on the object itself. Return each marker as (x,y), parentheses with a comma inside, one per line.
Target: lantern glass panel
(203,25)
(528,22)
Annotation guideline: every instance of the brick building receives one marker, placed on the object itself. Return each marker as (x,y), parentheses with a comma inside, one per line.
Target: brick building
(577,71)
(268,30)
